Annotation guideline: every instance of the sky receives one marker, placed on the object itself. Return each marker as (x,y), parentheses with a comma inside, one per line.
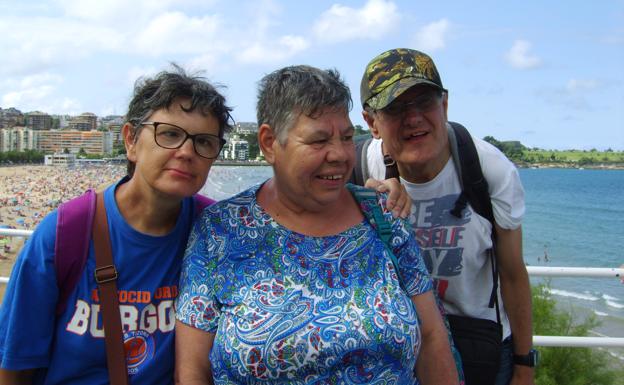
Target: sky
(547,73)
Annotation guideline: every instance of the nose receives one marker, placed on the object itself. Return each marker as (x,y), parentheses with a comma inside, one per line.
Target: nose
(339,151)
(187,148)
(412,116)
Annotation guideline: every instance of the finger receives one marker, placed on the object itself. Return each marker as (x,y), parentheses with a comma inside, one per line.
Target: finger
(373,184)
(401,202)
(407,207)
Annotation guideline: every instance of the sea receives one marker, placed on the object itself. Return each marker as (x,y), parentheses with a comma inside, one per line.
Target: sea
(574,217)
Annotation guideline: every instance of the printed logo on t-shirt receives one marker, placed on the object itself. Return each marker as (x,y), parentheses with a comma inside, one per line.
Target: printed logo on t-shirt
(143,313)
(139,348)
(439,234)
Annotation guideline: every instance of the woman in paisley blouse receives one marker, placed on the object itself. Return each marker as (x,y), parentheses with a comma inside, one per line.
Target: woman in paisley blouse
(287,282)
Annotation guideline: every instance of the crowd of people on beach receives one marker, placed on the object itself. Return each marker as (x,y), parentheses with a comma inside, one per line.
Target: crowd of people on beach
(28,193)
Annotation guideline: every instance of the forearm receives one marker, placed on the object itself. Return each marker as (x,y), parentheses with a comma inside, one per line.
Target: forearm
(516,293)
(515,287)
(193,346)
(435,363)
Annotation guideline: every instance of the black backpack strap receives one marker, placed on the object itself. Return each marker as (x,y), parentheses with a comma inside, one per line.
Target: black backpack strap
(475,191)
(360,171)
(474,185)
(392,170)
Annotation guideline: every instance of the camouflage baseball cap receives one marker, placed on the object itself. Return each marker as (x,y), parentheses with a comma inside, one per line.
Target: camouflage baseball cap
(393,72)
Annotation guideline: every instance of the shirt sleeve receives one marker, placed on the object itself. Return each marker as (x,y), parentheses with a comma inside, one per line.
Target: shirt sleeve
(505,186)
(196,304)
(29,306)
(416,278)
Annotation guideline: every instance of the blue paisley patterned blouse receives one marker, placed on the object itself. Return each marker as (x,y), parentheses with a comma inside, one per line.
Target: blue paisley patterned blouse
(288,308)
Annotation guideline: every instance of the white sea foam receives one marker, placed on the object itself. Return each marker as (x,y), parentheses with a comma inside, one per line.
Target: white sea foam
(564,293)
(618,356)
(608,297)
(600,313)
(614,304)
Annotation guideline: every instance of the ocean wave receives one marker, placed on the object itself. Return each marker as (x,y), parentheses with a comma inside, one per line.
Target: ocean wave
(565,293)
(600,313)
(615,304)
(608,297)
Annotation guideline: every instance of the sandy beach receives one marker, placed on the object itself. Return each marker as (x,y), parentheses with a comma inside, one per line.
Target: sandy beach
(28,193)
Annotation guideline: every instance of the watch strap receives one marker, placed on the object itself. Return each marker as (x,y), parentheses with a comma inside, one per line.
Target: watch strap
(526,359)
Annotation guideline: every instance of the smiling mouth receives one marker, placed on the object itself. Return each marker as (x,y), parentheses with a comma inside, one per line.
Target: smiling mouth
(416,135)
(330,177)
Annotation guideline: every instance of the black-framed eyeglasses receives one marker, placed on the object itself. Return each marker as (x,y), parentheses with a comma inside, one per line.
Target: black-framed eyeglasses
(170,136)
(424,102)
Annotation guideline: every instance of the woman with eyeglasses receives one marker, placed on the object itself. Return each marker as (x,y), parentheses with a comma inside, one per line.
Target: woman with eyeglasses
(174,131)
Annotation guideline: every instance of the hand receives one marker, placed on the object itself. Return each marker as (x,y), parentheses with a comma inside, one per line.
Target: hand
(399,203)
(522,375)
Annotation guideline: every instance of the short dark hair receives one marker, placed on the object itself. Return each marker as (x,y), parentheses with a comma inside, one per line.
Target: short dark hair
(160,91)
(285,94)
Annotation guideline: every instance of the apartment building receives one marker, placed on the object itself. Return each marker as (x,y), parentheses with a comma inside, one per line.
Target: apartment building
(38,120)
(83,122)
(93,142)
(17,139)
(236,149)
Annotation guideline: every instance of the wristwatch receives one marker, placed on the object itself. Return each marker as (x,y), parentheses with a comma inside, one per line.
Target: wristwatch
(527,359)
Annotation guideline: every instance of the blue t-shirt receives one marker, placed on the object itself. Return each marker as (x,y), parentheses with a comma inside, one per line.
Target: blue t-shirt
(296,309)
(70,348)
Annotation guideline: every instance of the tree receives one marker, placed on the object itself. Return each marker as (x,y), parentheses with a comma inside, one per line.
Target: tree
(119,149)
(491,140)
(359,130)
(254,149)
(82,152)
(66,150)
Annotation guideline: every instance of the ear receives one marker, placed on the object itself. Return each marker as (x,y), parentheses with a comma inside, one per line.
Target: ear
(445,105)
(370,120)
(127,132)
(267,142)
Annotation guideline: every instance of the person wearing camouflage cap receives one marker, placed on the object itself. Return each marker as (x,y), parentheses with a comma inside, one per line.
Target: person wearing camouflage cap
(405,106)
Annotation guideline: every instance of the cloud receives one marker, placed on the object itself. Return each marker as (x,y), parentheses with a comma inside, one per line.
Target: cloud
(177,33)
(35,44)
(432,37)
(137,72)
(36,92)
(340,23)
(127,11)
(581,85)
(258,45)
(273,52)
(519,56)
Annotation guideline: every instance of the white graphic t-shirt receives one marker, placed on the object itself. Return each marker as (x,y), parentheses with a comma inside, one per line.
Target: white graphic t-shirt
(455,249)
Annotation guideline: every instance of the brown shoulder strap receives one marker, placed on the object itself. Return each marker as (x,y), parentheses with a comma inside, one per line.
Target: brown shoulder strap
(106,278)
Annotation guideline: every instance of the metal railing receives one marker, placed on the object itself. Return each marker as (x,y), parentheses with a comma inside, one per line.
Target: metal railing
(534,271)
